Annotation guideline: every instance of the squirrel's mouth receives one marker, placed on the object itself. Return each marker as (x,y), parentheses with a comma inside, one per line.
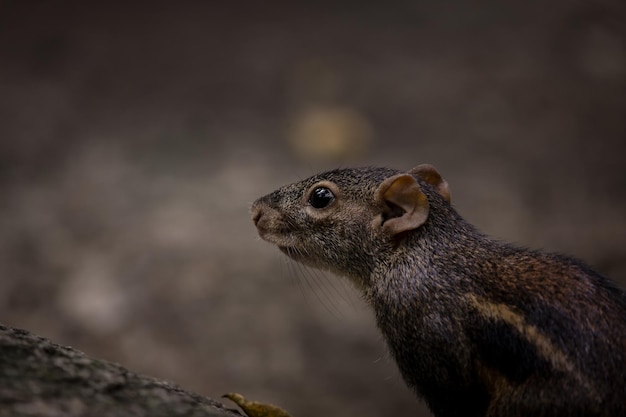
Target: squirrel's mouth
(278,238)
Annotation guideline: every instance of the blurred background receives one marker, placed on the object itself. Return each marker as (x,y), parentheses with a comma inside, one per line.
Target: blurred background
(135,135)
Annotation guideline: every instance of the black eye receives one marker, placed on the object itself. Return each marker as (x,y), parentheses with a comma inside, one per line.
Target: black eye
(321,197)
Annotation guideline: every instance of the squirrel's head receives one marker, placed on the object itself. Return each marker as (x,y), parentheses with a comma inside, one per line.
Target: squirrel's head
(344,220)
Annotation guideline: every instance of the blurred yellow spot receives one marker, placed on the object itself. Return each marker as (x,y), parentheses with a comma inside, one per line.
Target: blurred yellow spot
(330,133)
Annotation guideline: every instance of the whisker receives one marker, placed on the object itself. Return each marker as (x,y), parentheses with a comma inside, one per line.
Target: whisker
(341,292)
(285,268)
(325,296)
(305,272)
(294,278)
(314,275)
(323,286)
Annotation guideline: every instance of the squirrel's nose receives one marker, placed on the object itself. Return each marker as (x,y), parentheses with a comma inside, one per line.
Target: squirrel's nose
(257,213)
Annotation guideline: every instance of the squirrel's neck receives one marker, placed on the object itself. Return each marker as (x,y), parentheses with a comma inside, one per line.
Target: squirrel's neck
(412,296)
(446,251)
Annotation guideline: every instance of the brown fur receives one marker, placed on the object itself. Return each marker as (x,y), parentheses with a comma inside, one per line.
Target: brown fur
(477,327)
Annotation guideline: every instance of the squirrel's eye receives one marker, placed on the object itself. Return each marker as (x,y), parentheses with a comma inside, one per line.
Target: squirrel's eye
(321,197)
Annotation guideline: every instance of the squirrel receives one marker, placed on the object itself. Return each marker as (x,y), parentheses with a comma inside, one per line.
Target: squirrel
(477,327)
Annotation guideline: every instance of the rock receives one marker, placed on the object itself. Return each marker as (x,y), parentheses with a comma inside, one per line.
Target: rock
(40,378)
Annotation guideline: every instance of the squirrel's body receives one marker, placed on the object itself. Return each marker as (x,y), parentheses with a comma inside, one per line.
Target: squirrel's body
(477,327)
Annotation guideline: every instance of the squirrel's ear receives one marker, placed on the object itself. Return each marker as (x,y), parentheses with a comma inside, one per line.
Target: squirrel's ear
(405,206)
(429,174)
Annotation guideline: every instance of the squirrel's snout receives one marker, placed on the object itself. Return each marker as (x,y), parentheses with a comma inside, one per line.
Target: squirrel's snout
(262,211)
(266,219)
(257,214)
(263,220)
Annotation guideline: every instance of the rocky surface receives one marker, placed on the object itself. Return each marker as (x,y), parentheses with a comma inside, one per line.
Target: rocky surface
(40,378)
